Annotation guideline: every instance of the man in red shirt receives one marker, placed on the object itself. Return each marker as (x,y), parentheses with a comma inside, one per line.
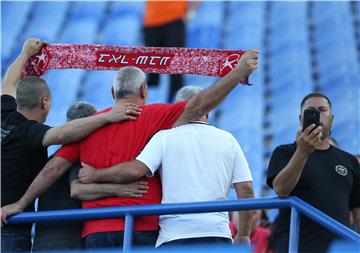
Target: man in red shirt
(118,143)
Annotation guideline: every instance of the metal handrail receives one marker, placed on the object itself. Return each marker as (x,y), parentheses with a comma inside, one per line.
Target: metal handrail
(129,212)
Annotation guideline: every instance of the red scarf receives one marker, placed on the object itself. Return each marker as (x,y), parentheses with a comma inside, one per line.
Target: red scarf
(163,60)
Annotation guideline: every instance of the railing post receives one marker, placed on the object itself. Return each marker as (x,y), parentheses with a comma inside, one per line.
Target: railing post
(128,232)
(294,231)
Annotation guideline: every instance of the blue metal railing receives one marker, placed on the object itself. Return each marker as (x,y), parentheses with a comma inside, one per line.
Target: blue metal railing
(129,212)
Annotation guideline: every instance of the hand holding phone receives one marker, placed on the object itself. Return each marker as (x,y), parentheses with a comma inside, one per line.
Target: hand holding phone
(311,116)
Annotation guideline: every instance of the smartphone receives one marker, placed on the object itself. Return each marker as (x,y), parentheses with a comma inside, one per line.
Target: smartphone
(311,116)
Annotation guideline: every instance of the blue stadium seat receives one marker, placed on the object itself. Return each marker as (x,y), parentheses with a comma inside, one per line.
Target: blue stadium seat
(330,9)
(121,8)
(80,31)
(56,116)
(244,96)
(346,109)
(244,34)
(289,81)
(286,136)
(347,134)
(338,74)
(203,36)
(92,9)
(64,85)
(288,10)
(202,81)
(208,12)
(97,88)
(46,26)
(6,48)
(204,29)
(284,118)
(124,30)
(13,17)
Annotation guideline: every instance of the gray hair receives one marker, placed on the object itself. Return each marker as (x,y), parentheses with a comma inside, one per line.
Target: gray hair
(128,81)
(30,92)
(80,110)
(187,92)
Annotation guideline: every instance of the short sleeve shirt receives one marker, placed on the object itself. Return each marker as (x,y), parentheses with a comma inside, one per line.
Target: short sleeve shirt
(329,182)
(22,152)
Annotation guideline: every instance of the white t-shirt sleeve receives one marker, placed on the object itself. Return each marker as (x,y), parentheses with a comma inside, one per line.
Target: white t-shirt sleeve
(151,155)
(241,171)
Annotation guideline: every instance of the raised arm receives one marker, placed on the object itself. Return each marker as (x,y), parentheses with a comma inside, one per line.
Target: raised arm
(53,170)
(13,75)
(244,190)
(94,191)
(289,176)
(209,98)
(78,129)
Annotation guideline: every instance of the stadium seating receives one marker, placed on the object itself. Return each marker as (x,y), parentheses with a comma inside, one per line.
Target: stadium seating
(127,33)
(124,8)
(88,9)
(47,25)
(16,14)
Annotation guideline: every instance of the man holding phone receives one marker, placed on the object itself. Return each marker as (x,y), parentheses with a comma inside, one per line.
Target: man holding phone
(315,171)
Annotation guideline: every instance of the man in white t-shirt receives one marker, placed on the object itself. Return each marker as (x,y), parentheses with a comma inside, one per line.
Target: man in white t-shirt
(197,162)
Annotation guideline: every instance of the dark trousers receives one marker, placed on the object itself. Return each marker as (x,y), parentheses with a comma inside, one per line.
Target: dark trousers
(316,246)
(168,35)
(60,236)
(115,239)
(198,241)
(57,239)
(15,239)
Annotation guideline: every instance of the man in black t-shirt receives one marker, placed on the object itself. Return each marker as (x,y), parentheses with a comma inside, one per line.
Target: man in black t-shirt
(324,176)
(24,139)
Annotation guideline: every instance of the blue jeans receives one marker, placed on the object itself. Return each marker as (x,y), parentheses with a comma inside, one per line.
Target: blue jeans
(15,240)
(115,239)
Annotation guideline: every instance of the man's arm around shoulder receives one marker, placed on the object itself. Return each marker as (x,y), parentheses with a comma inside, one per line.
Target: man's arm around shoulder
(78,129)
(121,173)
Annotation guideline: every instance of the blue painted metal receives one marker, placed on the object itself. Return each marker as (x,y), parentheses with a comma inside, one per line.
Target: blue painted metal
(294,230)
(148,210)
(194,207)
(129,232)
(324,220)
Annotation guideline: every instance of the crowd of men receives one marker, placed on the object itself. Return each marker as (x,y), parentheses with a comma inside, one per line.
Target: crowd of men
(135,154)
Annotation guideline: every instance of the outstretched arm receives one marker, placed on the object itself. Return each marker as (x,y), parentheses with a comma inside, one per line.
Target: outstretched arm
(94,191)
(120,173)
(53,170)
(147,162)
(78,129)
(209,98)
(13,75)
